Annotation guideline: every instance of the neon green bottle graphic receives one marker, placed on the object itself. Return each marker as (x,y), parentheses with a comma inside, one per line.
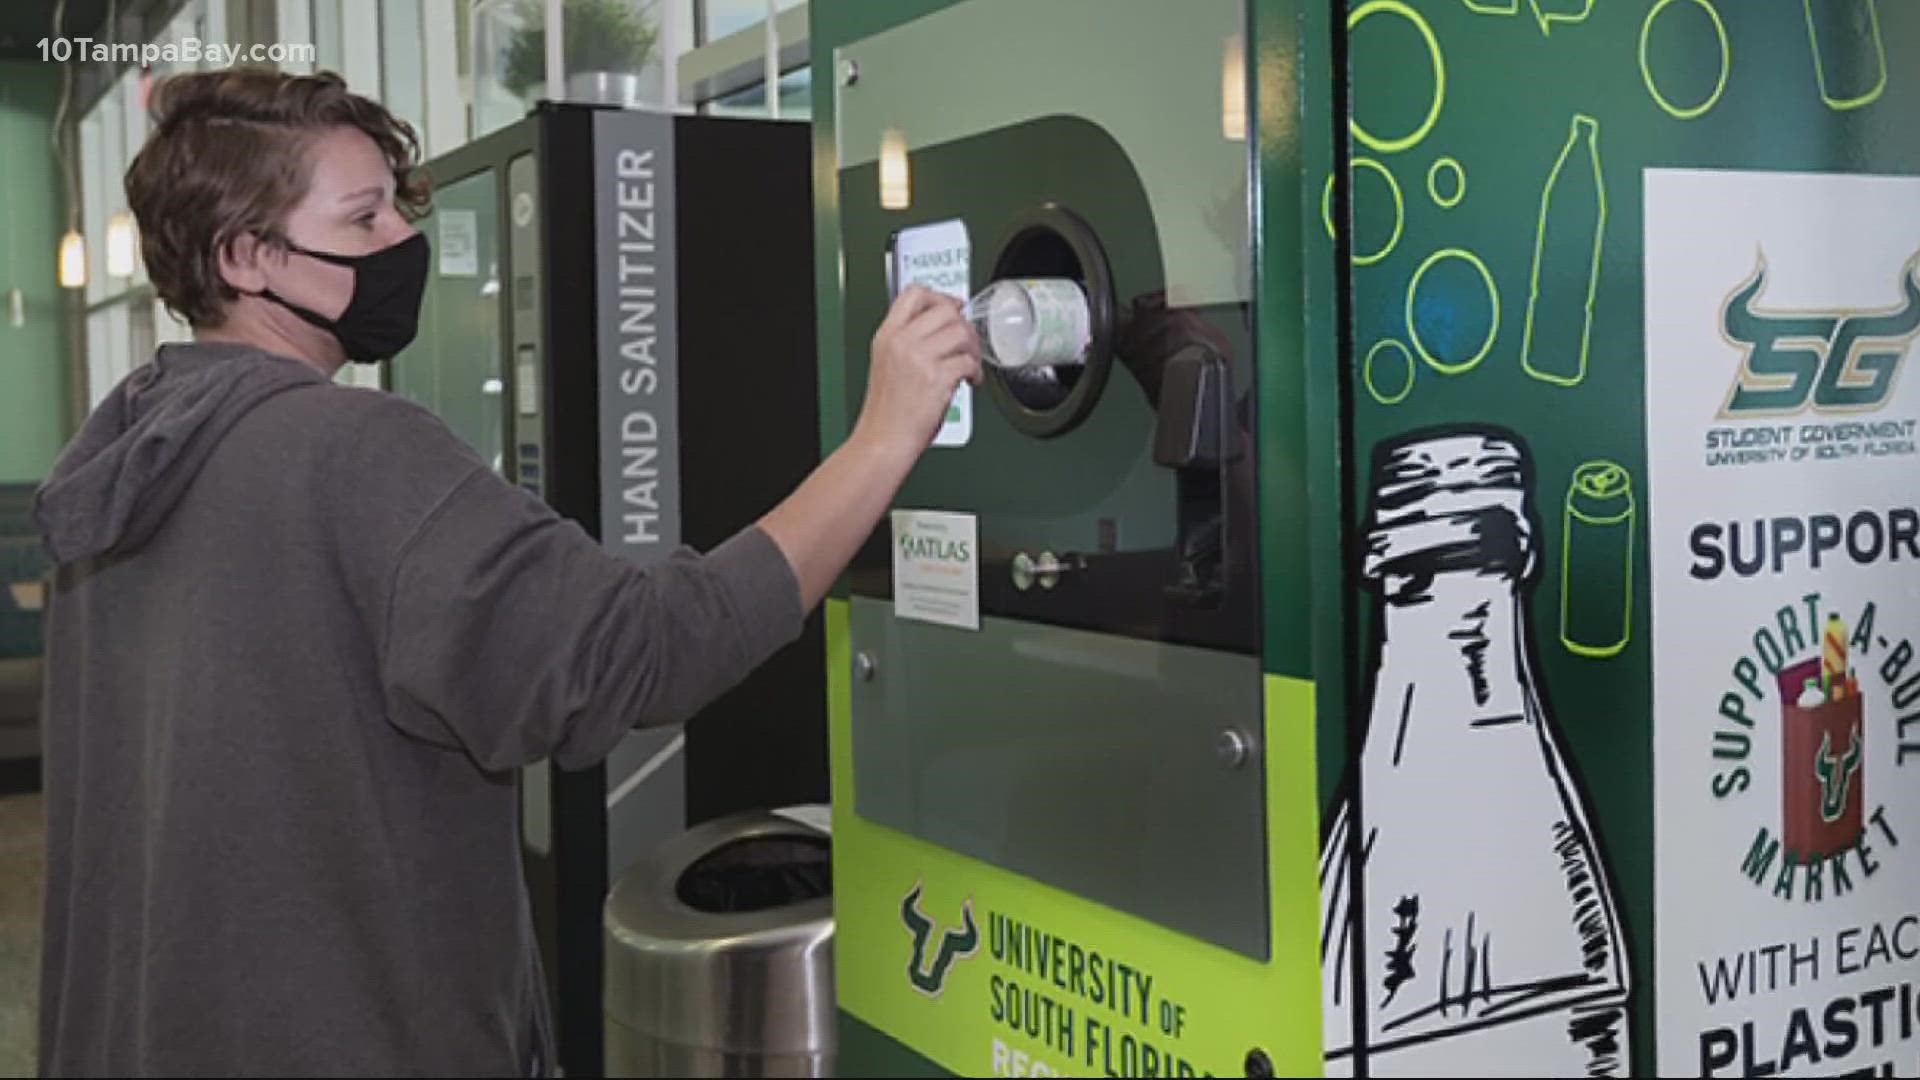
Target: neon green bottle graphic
(1566,260)
(1849,57)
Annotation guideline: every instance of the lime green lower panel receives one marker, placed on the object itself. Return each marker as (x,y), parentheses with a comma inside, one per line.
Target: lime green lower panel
(866,1051)
(962,966)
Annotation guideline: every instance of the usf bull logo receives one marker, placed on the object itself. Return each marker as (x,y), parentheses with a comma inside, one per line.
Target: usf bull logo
(1835,775)
(1834,361)
(934,954)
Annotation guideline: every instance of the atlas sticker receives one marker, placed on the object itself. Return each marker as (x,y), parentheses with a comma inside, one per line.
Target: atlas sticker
(936,570)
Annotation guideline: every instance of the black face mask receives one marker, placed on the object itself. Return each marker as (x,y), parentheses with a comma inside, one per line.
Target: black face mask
(384,313)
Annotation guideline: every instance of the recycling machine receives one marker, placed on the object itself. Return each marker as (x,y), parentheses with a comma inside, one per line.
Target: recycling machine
(1440,603)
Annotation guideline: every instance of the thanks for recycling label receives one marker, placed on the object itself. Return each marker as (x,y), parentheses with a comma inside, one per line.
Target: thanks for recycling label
(937,256)
(936,568)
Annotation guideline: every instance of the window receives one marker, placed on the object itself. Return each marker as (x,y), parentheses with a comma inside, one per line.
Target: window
(495,73)
(796,98)
(186,24)
(211,25)
(360,49)
(725,75)
(167,328)
(443,96)
(134,122)
(718,18)
(110,345)
(122,329)
(328,39)
(293,25)
(93,169)
(99,361)
(402,47)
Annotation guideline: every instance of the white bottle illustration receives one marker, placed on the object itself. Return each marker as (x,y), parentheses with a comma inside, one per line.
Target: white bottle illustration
(1488,930)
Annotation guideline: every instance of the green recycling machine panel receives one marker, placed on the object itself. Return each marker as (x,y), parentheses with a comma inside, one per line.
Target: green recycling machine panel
(1443,599)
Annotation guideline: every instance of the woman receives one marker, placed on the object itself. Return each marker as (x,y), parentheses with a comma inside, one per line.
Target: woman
(302,637)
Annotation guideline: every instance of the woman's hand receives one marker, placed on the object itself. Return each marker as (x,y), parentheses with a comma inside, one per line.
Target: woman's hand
(921,353)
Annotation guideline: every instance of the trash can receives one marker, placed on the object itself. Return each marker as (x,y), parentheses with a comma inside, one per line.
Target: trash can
(719,953)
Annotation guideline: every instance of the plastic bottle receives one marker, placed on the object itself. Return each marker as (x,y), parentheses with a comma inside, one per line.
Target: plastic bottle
(1031,323)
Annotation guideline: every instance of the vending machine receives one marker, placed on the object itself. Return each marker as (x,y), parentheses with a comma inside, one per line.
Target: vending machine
(1425,587)
(620,318)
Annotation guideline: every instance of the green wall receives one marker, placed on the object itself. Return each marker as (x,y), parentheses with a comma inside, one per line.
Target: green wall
(33,357)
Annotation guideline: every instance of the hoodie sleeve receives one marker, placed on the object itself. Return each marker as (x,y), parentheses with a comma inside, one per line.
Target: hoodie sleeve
(507,631)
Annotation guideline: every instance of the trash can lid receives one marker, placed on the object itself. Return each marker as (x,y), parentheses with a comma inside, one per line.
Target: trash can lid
(722,937)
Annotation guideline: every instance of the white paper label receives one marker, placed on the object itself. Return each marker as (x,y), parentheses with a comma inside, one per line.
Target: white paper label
(526,382)
(1782,441)
(936,568)
(936,256)
(459,243)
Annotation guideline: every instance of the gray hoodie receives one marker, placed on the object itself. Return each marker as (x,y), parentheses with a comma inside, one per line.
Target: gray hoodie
(301,638)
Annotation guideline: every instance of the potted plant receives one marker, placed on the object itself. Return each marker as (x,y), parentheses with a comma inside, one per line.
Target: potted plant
(608,44)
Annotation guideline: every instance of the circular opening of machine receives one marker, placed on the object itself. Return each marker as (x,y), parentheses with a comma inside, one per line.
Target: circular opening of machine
(1051,243)
(757,873)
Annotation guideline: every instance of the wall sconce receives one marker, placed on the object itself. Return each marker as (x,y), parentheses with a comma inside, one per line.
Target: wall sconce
(121,240)
(73,260)
(16,308)
(1233,91)
(896,187)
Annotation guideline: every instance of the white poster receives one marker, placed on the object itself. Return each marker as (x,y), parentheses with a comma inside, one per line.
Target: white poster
(459,244)
(1781,314)
(936,568)
(938,256)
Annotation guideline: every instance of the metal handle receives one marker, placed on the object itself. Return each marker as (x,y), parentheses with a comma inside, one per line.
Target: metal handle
(1043,570)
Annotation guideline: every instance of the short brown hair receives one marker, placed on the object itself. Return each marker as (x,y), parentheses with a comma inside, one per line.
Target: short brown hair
(227,158)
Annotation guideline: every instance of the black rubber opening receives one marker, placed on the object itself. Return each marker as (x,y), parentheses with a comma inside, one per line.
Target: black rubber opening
(1052,241)
(758,873)
(1042,253)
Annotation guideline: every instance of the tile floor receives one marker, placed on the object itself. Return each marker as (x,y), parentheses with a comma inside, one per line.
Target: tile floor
(20,877)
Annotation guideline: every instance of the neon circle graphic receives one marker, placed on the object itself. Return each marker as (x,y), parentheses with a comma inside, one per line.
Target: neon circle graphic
(1493,325)
(1373,384)
(1399,7)
(1399,210)
(1726,62)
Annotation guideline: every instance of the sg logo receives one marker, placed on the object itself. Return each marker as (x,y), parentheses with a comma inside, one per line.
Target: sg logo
(1845,361)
